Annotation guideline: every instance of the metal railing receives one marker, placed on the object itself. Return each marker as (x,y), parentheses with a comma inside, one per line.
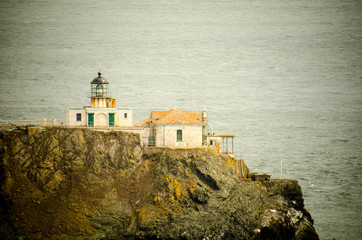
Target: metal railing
(107,94)
(26,122)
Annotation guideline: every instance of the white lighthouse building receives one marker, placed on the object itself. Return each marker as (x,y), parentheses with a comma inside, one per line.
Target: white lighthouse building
(102,112)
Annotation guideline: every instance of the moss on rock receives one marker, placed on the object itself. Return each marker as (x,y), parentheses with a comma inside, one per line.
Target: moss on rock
(65,183)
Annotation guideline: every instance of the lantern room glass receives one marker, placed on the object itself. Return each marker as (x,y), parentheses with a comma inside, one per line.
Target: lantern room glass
(99,90)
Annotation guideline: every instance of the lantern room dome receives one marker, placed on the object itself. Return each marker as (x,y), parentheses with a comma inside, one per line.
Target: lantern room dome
(99,79)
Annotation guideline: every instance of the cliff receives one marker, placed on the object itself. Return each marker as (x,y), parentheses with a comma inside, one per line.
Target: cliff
(80,184)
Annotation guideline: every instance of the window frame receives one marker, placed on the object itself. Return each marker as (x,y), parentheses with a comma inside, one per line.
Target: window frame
(78,117)
(99,90)
(179,136)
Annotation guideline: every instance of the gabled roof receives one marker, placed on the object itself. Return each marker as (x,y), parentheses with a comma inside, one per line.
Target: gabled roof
(173,116)
(176,116)
(144,122)
(155,115)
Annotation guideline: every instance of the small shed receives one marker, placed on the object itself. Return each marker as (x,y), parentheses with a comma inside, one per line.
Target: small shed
(261,177)
(221,143)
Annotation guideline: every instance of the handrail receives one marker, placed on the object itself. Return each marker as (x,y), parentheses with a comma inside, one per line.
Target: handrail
(28,122)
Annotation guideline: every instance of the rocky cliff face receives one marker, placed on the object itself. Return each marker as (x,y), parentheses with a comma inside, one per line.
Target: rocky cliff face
(80,184)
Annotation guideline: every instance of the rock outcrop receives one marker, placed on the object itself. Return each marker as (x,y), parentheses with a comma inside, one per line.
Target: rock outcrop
(65,183)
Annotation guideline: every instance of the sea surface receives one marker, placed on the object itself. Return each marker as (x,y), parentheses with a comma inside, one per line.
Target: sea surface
(284,76)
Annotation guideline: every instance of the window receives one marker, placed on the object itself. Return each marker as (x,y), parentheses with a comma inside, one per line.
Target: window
(79,117)
(125,115)
(179,135)
(212,142)
(99,90)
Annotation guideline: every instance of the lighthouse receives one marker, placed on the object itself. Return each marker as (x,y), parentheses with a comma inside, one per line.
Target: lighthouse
(102,111)
(99,93)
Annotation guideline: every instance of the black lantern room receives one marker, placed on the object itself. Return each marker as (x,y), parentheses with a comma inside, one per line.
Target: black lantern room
(99,87)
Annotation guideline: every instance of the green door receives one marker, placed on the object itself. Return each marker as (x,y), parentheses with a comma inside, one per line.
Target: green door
(90,119)
(111,119)
(151,141)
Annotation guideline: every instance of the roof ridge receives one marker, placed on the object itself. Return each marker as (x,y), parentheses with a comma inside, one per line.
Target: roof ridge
(176,116)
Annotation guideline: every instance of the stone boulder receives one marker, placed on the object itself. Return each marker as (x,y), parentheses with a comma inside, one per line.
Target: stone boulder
(64,183)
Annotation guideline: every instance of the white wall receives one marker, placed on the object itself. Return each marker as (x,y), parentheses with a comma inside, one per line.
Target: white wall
(72,117)
(166,135)
(144,133)
(120,119)
(217,143)
(101,120)
(101,117)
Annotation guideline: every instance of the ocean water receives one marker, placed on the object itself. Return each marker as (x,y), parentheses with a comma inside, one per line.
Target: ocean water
(284,76)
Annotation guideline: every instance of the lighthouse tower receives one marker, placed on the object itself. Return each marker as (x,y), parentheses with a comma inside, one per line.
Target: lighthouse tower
(99,93)
(102,112)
